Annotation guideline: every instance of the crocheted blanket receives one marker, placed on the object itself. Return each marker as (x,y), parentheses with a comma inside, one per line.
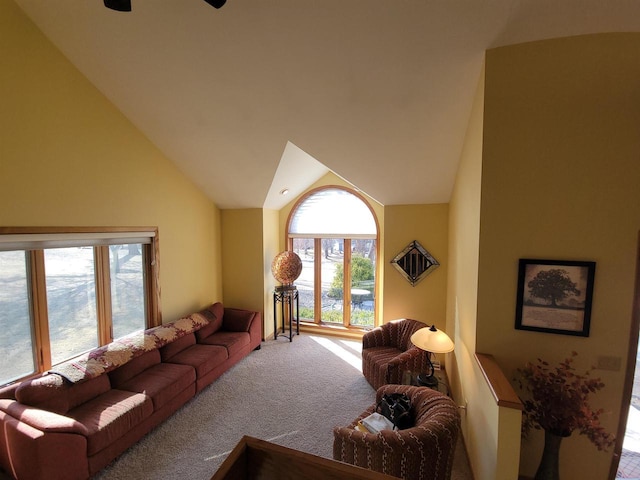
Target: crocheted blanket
(109,357)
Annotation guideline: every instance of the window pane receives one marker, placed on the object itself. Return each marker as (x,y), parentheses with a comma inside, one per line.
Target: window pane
(127,289)
(16,337)
(332,277)
(332,212)
(363,270)
(71,301)
(305,282)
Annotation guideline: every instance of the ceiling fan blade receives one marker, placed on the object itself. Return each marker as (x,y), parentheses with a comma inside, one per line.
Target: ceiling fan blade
(119,5)
(216,3)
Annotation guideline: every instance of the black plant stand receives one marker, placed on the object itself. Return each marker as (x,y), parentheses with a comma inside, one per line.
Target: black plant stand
(285,295)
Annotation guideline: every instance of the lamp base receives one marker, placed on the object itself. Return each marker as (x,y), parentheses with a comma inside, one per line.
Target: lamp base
(426,380)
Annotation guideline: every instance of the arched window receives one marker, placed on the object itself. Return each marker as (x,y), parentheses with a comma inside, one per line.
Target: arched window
(335,233)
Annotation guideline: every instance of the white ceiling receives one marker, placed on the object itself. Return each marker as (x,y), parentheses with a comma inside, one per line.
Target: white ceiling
(378,92)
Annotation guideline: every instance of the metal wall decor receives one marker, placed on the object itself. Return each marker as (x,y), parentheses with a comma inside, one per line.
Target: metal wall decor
(415,263)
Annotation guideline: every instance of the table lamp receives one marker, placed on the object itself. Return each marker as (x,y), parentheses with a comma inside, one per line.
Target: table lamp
(431,340)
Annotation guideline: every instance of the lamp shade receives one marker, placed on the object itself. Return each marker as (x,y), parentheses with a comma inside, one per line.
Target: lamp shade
(286,267)
(432,340)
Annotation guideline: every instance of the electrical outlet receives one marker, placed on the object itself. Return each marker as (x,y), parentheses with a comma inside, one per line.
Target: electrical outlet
(606,362)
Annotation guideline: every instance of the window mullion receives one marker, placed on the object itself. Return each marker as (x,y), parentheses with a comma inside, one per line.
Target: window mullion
(317,275)
(39,312)
(346,285)
(150,256)
(103,294)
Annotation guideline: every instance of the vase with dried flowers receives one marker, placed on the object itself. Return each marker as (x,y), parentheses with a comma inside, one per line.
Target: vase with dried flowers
(557,401)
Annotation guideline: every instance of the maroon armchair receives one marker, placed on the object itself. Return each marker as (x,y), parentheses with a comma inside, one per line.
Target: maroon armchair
(387,352)
(422,452)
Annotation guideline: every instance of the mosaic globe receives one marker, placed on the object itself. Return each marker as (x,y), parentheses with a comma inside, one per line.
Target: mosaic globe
(286,267)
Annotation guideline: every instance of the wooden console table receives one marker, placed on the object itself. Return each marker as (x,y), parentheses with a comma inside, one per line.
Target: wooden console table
(261,460)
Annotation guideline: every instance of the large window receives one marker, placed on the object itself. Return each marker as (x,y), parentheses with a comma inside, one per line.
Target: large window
(334,232)
(65,292)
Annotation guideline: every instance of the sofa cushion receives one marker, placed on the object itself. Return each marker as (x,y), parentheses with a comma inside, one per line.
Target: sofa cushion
(110,415)
(161,382)
(132,368)
(237,320)
(82,392)
(53,393)
(234,342)
(48,392)
(214,315)
(203,358)
(177,346)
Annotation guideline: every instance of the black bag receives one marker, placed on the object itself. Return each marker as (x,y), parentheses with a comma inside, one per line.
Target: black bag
(397,408)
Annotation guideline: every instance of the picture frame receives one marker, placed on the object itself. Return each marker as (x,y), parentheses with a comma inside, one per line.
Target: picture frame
(414,263)
(555,296)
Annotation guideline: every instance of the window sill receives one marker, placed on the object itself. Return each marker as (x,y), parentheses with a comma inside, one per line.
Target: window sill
(332,330)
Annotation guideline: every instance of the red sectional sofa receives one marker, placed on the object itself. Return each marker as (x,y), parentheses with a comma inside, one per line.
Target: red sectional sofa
(72,422)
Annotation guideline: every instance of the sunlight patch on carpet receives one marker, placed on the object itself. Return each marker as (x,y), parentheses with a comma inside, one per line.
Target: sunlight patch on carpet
(354,360)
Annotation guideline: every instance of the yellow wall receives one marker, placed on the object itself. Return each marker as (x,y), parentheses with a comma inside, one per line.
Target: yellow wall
(242,259)
(68,157)
(464,231)
(560,180)
(491,433)
(426,301)
(271,247)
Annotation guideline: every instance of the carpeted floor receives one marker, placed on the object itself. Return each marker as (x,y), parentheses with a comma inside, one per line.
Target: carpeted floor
(290,393)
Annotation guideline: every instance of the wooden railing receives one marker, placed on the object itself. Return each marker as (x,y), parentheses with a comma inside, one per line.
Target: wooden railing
(501,389)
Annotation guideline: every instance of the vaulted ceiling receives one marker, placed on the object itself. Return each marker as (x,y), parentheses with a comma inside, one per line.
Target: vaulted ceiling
(260,95)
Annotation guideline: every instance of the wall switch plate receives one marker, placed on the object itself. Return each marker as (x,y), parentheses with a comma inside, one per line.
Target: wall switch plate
(606,362)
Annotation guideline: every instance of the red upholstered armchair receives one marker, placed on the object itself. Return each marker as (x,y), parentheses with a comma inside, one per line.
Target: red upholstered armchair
(422,452)
(387,352)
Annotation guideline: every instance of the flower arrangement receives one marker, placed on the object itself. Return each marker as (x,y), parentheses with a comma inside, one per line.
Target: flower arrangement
(558,401)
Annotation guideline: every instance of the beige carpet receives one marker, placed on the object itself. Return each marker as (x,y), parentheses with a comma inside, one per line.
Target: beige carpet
(292,394)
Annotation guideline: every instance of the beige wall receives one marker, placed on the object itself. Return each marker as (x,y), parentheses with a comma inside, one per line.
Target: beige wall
(68,157)
(560,180)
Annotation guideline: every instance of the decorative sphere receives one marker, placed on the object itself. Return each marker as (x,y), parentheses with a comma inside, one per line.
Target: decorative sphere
(286,267)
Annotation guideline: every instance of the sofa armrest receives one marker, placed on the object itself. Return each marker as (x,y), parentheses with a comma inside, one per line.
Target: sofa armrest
(369,450)
(238,320)
(42,420)
(9,391)
(28,452)
(381,336)
(371,338)
(413,360)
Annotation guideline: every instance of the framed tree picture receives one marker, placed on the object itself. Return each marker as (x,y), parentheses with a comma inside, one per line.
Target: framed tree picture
(555,296)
